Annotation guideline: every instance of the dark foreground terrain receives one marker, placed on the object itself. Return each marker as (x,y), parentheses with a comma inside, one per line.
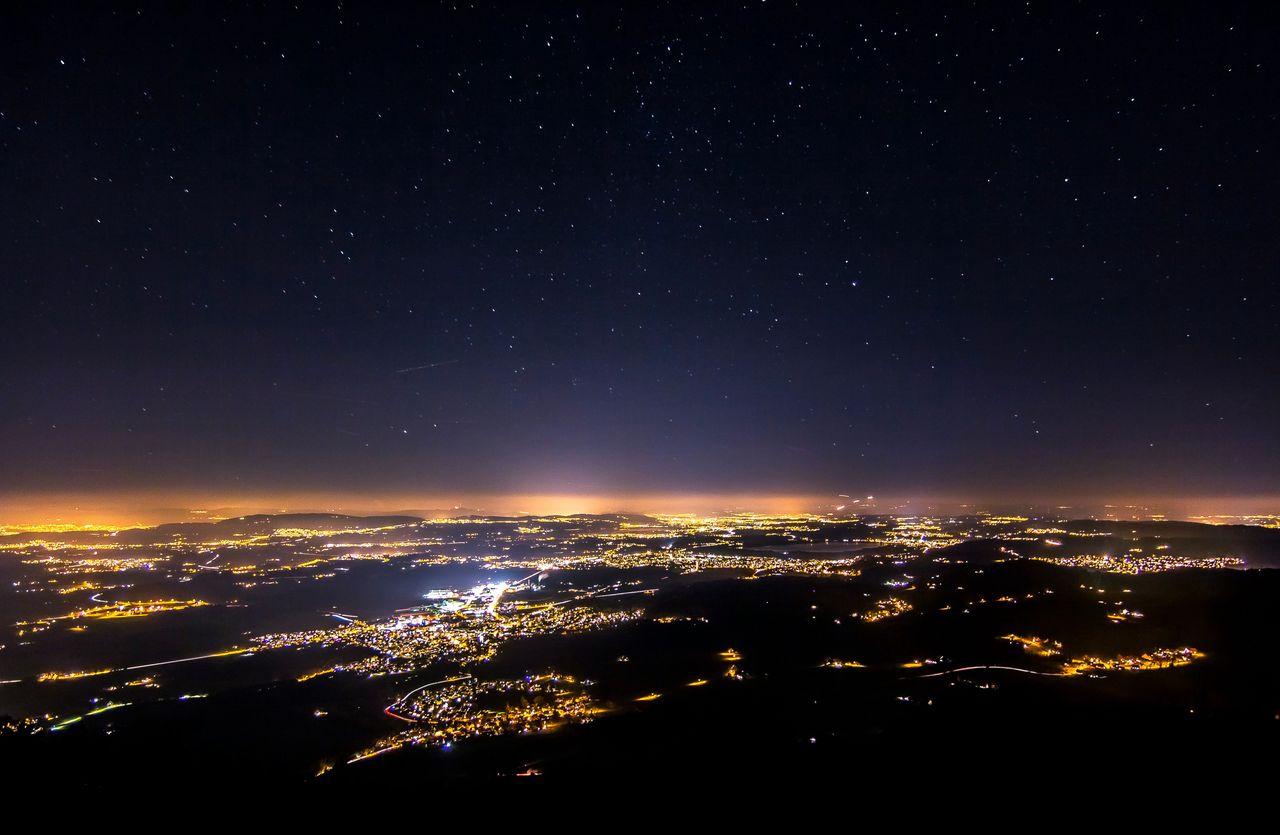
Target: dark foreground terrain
(881,654)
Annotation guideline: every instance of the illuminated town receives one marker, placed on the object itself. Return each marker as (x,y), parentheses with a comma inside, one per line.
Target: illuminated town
(462,707)
(455,625)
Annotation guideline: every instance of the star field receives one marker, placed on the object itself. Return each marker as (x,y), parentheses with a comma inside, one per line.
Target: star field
(972,249)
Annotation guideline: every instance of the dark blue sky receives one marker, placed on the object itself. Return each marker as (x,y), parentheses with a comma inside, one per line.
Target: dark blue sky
(967,249)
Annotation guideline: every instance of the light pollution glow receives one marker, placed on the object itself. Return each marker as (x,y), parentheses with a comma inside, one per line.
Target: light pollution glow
(142,508)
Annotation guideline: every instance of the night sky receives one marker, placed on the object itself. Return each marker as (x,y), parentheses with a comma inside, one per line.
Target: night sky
(963,249)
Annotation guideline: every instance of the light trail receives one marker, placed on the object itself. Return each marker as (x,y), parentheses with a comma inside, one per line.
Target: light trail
(372,754)
(436,364)
(988,667)
(504,587)
(526,579)
(222,654)
(390,709)
(433,684)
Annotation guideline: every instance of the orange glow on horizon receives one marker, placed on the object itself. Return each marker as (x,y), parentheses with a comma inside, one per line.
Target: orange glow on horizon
(136,508)
(140,508)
